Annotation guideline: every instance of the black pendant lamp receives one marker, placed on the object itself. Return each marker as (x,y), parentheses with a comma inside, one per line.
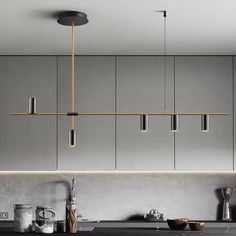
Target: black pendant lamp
(144,123)
(174,123)
(32,106)
(205,123)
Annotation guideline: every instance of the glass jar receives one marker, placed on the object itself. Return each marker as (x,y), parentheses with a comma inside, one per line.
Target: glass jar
(71,217)
(61,226)
(23,214)
(44,220)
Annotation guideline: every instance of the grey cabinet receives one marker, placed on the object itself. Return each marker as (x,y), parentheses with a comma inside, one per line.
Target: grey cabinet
(140,88)
(95,92)
(27,143)
(204,84)
(234,109)
(122,84)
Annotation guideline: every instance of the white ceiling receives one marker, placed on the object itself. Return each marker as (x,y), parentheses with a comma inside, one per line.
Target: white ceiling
(119,27)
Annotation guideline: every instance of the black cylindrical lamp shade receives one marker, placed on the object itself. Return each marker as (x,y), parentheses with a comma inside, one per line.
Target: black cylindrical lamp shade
(174,123)
(32,106)
(144,123)
(72,138)
(205,123)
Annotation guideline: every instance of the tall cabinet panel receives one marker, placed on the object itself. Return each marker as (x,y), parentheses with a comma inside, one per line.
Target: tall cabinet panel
(95,92)
(204,84)
(27,143)
(234,110)
(140,88)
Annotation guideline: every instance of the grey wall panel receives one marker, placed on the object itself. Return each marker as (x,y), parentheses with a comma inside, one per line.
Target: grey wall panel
(118,196)
(204,84)
(140,88)
(95,92)
(234,110)
(27,143)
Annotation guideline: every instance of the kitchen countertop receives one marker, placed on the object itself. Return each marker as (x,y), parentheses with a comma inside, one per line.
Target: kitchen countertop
(85,225)
(139,232)
(116,228)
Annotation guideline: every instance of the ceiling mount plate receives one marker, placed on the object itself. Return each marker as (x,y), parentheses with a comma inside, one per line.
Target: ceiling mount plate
(66,18)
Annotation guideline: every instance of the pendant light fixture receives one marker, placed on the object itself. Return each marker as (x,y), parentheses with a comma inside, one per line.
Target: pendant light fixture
(72,137)
(174,122)
(75,18)
(32,106)
(174,118)
(72,18)
(205,123)
(144,123)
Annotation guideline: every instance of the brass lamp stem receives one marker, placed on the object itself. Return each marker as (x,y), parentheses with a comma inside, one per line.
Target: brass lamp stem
(73,75)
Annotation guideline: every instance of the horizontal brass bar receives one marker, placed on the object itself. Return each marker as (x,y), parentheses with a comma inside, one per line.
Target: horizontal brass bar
(130,113)
(153,114)
(40,114)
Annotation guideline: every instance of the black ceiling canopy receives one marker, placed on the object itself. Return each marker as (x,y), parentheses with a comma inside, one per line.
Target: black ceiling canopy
(66,18)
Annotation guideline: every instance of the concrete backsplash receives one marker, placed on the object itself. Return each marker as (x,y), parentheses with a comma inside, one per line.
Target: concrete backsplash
(119,196)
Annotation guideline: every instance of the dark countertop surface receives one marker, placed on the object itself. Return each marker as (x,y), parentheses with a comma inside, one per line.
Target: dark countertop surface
(139,232)
(109,228)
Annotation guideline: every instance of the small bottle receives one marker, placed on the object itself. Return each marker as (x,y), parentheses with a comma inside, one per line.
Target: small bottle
(71,211)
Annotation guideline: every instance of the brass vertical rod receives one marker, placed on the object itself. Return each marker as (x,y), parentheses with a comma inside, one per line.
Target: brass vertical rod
(73,75)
